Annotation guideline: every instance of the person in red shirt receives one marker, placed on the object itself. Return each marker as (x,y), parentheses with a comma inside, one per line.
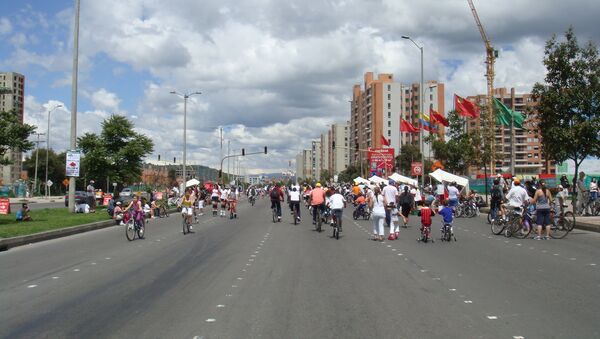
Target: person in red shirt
(276,196)
(316,200)
(426,213)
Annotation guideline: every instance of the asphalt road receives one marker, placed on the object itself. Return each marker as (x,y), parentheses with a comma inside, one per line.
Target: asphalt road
(251,278)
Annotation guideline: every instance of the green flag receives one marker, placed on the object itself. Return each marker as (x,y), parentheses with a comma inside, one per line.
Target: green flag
(504,115)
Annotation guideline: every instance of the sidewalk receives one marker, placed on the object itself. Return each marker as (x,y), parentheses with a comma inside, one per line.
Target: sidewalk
(591,223)
(32,200)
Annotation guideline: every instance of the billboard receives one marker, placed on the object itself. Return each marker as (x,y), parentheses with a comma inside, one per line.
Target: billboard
(381,161)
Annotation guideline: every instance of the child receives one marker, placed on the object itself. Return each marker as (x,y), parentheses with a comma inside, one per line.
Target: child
(394,226)
(447,215)
(118,214)
(23,213)
(426,213)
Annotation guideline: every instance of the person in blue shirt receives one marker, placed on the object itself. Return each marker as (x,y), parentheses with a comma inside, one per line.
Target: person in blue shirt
(447,214)
(23,213)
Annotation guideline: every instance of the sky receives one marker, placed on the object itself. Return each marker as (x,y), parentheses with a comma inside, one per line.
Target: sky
(271,73)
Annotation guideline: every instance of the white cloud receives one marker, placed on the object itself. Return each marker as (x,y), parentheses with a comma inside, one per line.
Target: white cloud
(5,26)
(105,100)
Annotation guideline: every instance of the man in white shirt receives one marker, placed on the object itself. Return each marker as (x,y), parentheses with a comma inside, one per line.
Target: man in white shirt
(390,193)
(337,203)
(453,194)
(517,196)
(294,200)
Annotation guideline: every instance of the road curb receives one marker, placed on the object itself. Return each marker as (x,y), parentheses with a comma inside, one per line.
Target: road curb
(8,243)
(580,225)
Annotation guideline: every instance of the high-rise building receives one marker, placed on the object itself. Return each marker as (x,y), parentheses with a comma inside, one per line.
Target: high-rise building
(340,156)
(377,107)
(303,164)
(325,155)
(13,85)
(315,172)
(520,150)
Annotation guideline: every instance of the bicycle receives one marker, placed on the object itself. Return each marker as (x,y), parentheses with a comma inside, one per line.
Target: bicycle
(516,227)
(336,227)
(561,224)
(133,227)
(317,209)
(447,234)
(295,212)
(425,234)
(274,209)
(187,226)
(252,200)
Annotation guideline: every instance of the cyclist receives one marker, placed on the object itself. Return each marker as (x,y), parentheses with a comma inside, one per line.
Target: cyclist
(447,216)
(497,198)
(426,213)
(361,202)
(294,199)
(517,196)
(186,207)
(251,194)
(276,196)
(542,199)
(337,203)
(136,207)
(316,199)
(214,197)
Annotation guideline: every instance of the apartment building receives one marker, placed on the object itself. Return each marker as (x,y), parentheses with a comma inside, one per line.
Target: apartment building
(520,149)
(378,106)
(315,168)
(303,164)
(13,86)
(325,155)
(340,156)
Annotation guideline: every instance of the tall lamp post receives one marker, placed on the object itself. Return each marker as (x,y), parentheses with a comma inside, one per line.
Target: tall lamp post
(185,97)
(422,111)
(48,146)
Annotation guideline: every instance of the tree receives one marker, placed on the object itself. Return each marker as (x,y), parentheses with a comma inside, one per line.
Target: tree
(408,154)
(116,153)
(569,101)
(56,168)
(349,174)
(13,135)
(325,175)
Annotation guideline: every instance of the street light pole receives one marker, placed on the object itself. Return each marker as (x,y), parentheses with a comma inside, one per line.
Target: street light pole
(422,112)
(37,151)
(185,98)
(73,141)
(48,147)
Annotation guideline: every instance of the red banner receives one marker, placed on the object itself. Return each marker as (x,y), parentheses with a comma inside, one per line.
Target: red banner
(381,160)
(4,206)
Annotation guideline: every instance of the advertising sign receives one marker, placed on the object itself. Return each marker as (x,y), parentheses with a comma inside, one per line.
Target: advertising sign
(381,161)
(416,168)
(106,198)
(72,164)
(4,206)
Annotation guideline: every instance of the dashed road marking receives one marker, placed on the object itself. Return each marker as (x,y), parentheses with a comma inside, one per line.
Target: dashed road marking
(492,317)
(107,258)
(31,286)
(93,263)
(468,301)
(233,286)
(210,320)
(423,271)
(400,254)
(55,278)
(76,270)
(518,337)
(220,306)
(436,278)
(592,264)
(452,289)
(253,255)
(519,245)
(555,254)
(240,278)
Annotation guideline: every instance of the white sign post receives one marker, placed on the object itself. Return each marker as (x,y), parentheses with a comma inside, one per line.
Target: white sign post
(72,163)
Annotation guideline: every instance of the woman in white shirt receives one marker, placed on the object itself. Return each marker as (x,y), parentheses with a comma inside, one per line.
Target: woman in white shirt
(377,207)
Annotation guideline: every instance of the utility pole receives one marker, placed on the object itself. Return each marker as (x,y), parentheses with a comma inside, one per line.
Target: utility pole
(37,151)
(73,141)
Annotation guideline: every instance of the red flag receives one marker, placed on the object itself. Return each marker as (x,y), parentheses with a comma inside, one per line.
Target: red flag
(465,108)
(406,126)
(437,118)
(384,141)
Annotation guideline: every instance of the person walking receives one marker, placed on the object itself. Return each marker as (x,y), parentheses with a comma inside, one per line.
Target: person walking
(377,206)
(541,199)
(91,196)
(582,196)
(406,205)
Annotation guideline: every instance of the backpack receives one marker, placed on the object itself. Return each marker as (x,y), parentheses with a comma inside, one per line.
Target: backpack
(496,193)
(274,194)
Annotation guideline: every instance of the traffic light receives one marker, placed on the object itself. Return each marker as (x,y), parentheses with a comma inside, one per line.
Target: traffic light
(159,157)
(356,145)
(265,149)
(174,158)
(243,152)
(333,145)
(220,174)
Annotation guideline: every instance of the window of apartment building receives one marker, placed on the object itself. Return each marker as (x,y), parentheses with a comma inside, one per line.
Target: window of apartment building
(389,105)
(389,133)
(389,115)
(529,155)
(431,97)
(389,124)
(389,87)
(389,96)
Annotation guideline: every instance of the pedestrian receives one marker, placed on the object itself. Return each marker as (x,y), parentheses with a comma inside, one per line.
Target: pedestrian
(593,190)
(91,196)
(406,205)
(564,182)
(542,199)
(497,195)
(453,194)
(377,207)
(582,195)
(390,193)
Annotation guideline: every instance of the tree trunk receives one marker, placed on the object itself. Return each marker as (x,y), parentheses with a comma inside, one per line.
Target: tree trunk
(574,200)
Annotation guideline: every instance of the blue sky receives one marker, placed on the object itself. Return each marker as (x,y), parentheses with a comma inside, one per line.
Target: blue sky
(276,73)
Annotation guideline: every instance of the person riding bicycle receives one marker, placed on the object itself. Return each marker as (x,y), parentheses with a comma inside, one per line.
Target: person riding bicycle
(223,197)
(186,207)
(361,203)
(252,194)
(337,203)
(517,196)
(447,216)
(497,198)
(426,213)
(276,195)
(294,200)
(137,212)
(316,199)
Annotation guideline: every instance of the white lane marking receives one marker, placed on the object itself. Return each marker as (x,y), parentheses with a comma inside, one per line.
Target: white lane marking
(393,250)
(423,271)
(234,286)
(518,337)
(592,264)
(55,278)
(220,306)
(519,245)
(452,289)
(31,286)
(250,259)
(400,254)
(107,258)
(256,252)
(506,241)
(492,317)
(93,263)
(253,255)
(468,301)
(210,320)
(157,240)
(229,295)
(389,245)
(544,251)
(555,254)
(436,278)
(240,278)
(244,270)
(76,270)
(572,258)
(531,248)
(248,264)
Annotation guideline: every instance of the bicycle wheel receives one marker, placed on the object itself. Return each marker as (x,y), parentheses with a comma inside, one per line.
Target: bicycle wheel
(497,226)
(130,230)
(274,214)
(459,211)
(569,220)
(141,231)
(184,225)
(489,217)
(559,228)
(295,216)
(355,214)
(319,220)
(520,231)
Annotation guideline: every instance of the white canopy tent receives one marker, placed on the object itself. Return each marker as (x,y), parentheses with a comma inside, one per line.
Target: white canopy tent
(405,180)
(443,176)
(377,180)
(360,180)
(192,182)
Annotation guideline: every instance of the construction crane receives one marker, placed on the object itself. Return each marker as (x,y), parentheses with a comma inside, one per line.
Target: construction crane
(491,55)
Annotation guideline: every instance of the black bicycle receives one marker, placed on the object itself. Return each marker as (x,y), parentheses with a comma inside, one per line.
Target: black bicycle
(274,209)
(134,227)
(336,227)
(187,226)
(447,234)
(295,212)
(317,210)
(252,200)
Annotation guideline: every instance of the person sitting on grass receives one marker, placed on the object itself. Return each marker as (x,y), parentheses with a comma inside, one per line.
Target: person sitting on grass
(23,213)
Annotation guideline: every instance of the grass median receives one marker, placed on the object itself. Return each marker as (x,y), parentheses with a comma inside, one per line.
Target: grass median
(47,219)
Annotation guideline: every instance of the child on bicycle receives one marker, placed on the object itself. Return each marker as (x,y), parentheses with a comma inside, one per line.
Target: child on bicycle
(447,216)
(426,213)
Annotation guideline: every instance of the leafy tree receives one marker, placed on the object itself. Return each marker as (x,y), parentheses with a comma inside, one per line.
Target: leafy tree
(325,176)
(116,153)
(408,154)
(569,101)
(56,169)
(348,174)
(13,135)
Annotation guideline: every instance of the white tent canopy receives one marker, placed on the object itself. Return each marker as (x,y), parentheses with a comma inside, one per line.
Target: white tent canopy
(405,180)
(443,176)
(377,180)
(360,180)
(192,182)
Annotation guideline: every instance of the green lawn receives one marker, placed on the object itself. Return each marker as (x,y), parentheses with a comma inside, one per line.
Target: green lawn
(45,220)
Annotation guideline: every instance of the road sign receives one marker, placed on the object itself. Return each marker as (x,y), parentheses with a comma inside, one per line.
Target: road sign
(381,160)
(49,183)
(416,168)
(65,182)
(72,164)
